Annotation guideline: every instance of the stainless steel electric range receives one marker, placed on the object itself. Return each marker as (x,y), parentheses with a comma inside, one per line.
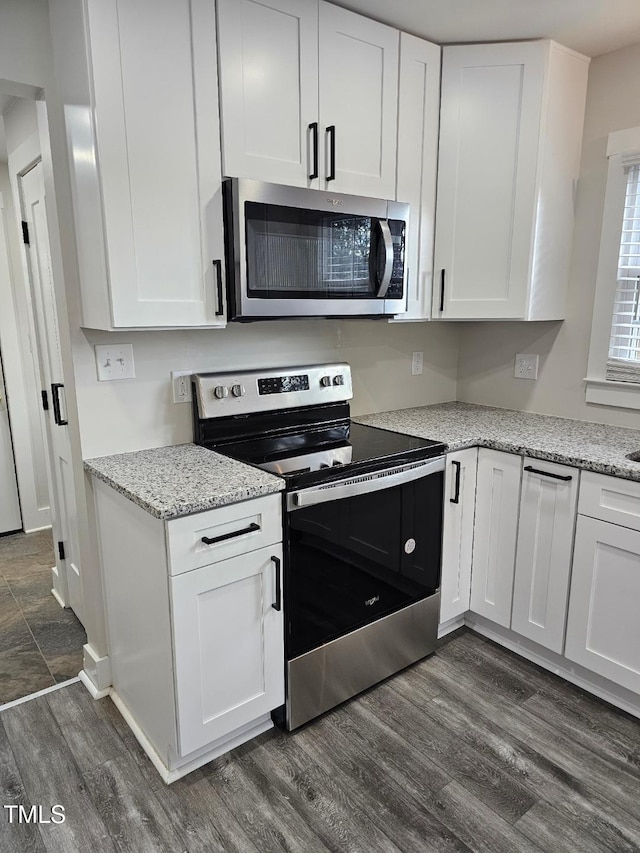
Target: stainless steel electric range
(362,526)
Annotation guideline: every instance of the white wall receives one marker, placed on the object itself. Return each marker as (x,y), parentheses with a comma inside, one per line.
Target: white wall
(25,57)
(487,351)
(130,414)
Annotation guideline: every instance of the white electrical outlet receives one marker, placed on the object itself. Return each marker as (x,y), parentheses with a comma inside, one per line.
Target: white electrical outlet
(416,363)
(526,366)
(181,384)
(114,361)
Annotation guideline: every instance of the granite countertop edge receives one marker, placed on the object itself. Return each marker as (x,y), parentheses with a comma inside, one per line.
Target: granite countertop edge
(474,425)
(167,483)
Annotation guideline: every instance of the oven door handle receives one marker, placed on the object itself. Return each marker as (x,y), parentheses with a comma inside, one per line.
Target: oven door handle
(363,484)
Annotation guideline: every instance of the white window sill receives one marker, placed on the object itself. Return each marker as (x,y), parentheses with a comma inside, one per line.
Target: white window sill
(604,392)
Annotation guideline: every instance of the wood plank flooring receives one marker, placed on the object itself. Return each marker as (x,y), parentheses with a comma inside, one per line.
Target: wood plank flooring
(473,749)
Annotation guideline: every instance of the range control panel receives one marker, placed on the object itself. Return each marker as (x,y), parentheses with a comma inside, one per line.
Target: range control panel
(247,391)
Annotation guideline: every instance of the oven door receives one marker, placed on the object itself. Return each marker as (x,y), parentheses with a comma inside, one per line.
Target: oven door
(361,549)
(300,252)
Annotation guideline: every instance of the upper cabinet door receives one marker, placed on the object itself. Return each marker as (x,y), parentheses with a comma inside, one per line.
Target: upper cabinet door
(154,88)
(359,100)
(269,89)
(489,129)
(418,117)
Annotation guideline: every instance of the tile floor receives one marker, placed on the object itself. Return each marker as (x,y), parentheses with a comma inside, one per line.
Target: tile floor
(40,643)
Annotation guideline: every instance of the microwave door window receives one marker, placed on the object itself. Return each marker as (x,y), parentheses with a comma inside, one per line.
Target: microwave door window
(294,253)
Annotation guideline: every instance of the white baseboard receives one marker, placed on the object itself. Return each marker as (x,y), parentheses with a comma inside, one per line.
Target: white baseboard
(97,671)
(93,690)
(261,725)
(452,625)
(54,593)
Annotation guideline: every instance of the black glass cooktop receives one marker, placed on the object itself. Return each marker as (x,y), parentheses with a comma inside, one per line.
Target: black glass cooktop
(330,451)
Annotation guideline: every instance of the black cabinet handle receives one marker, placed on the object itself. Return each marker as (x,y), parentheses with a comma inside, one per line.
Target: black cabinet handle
(548,473)
(218,267)
(331,130)
(55,399)
(441,291)
(313,127)
(250,529)
(456,498)
(277,604)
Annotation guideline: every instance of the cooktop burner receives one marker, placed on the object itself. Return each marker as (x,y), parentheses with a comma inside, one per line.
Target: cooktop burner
(299,430)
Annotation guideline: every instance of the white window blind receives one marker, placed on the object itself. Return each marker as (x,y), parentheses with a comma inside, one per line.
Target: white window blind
(623,363)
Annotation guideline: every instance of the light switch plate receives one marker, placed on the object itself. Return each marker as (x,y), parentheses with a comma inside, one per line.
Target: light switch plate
(114,361)
(526,366)
(417,363)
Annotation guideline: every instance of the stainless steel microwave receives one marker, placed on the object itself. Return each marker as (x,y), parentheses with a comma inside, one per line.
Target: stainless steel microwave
(294,252)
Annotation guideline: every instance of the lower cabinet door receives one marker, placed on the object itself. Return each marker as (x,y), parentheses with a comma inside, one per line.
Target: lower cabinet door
(603,626)
(543,560)
(496,528)
(457,535)
(228,645)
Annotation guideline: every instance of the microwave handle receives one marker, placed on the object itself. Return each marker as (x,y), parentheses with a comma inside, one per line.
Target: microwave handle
(385,281)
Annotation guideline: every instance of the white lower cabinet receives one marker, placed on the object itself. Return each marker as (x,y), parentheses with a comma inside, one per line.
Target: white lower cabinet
(457,535)
(228,645)
(495,532)
(548,502)
(195,624)
(603,627)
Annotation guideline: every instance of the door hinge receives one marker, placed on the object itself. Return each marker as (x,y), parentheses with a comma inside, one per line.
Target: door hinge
(25,233)
(61,550)
(45,400)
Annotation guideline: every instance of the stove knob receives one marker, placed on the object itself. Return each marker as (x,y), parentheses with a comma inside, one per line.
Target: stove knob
(338,380)
(238,390)
(325,381)
(220,392)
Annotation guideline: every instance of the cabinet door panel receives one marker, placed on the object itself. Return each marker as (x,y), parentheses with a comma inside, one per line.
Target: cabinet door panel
(496,527)
(268,88)
(543,559)
(418,118)
(457,538)
(228,642)
(156,162)
(359,96)
(489,130)
(603,629)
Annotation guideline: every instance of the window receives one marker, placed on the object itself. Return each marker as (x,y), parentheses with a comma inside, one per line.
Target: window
(614,358)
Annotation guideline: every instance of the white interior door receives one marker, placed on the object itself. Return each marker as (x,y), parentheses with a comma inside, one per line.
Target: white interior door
(66,574)
(10,518)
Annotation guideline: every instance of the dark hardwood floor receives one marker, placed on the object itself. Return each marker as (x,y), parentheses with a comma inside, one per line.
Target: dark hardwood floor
(471,749)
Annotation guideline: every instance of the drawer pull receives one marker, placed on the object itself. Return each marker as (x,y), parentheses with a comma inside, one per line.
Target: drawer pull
(277,604)
(533,470)
(456,498)
(212,541)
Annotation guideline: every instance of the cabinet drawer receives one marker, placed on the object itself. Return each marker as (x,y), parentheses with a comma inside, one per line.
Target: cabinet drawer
(235,529)
(610,499)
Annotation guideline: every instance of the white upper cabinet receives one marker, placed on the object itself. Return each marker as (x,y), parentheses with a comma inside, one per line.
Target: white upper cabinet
(359,100)
(309,96)
(269,89)
(510,135)
(145,164)
(418,118)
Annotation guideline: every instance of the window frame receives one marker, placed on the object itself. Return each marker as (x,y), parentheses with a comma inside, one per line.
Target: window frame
(621,147)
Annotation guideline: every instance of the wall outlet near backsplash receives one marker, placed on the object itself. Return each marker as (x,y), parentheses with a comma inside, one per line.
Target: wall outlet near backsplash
(526,366)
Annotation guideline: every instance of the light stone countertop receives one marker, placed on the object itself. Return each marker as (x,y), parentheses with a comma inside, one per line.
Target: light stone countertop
(181,479)
(594,447)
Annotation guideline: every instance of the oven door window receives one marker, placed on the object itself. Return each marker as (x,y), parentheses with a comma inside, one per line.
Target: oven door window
(294,253)
(355,560)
